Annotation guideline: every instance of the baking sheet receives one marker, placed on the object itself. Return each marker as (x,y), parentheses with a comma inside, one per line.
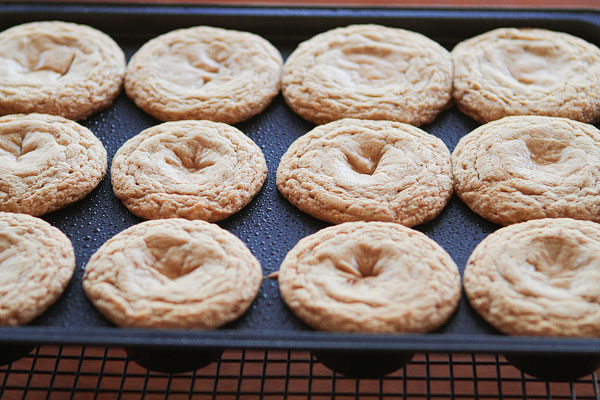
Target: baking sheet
(269,225)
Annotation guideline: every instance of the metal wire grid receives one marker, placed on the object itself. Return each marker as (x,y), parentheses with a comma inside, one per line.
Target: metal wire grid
(52,372)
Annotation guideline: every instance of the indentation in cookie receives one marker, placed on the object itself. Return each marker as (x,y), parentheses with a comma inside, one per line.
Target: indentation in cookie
(548,264)
(367,257)
(19,144)
(365,163)
(370,62)
(58,59)
(544,159)
(363,156)
(555,257)
(545,151)
(193,65)
(198,57)
(369,65)
(175,254)
(191,159)
(531,65)
(360,261)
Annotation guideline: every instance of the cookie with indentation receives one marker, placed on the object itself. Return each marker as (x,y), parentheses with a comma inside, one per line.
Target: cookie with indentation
(58,68)
(370,277)
(189,169)
(36,264)
(512,71)
(538,277)
(368,72)
(353,170)
(172,273)
(204,73)
(529,167)
(47,162)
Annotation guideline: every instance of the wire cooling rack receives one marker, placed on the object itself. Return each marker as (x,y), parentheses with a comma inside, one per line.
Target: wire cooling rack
(56,372)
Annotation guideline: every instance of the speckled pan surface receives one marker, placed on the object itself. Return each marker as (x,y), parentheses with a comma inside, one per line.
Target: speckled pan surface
(270,226)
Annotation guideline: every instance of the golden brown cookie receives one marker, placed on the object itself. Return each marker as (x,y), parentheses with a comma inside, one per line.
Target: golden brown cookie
(352,170)
(370,277)
(46,162)
(539,277)
(58,68)
(368,72)
(172,273)
(204,73)
(189,169)
(512,71)
(36,264)
(528,167)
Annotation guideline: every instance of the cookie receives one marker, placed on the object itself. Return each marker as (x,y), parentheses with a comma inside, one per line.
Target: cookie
(528,167)
(370,277)
(172,273)
(538,277)
(352,170)
(189,169)
(46,163)
(58,68)
(204,73)
(512,71)
(368,72)
(36,264)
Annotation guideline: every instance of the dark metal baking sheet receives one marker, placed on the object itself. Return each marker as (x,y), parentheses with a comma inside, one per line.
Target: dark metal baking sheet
(269,225)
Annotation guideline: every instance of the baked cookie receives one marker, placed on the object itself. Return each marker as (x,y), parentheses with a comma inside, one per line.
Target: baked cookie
(172,273)
(190,169)
(370,277)
(368,72)
(36,264)
(46,162)
(540,277)
(528,167)
(512,71)
(58,68)
(204,73)
(352,170)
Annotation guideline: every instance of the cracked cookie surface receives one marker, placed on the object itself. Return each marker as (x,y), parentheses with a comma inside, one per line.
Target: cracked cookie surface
(538,277)
(368,72)
(36,264)
(352,170)
(46,163)
(189,169)
(172,273)
(512,71)
(204,73)
(370,277)
(58,68)
(528,167)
